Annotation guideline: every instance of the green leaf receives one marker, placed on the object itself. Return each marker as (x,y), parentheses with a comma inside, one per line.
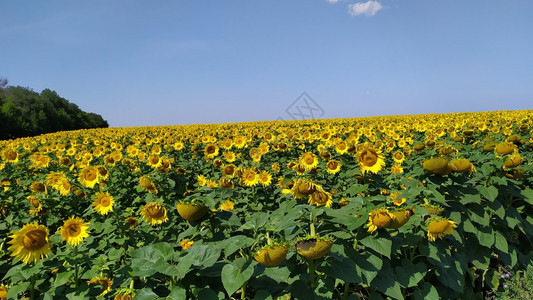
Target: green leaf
(467,199)
(478,215)
(256,221)
(62,278)
(409,274)
(368,265)
(485,235)
(428,291)
(356,189)
(177,292)
(380,245)
(490,193)
(386,282)
(501,242)
(341,267)
(234,243)
(279,274)
(146,294)
(205,255)
(235,274)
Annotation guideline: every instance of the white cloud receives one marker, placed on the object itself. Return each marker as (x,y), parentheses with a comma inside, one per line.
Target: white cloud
(332,1)
(368,8)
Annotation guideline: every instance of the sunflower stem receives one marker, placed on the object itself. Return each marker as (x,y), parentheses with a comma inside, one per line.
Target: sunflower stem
(311,266)
(346,289)
(32,286)
(76,267)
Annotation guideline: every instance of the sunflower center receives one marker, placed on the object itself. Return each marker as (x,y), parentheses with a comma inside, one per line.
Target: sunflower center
(105,201)
(74,230)
(90,175)
(369,158)
(309,160)
(11,155)
(34,239)
(332,165)
(156,212)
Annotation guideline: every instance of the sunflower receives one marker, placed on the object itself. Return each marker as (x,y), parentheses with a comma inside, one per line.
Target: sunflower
(513,161)
(103,281)
(148,184)
(211,150)
(333,166)
(202,181)
(74,230)
(89,176)
(398,157)
(227,206)
(103,203)
(370,159)
(395,200)
(186,244)
(505,148)
(265,178)
(308,160)
(250,177)
(10,156)
(396,169)
(461,165)
(303,188)
(3,292)
(132,221)
(379,218)
(320,197)
(439,227)
(154,213)
(31,243)
(437,165)
(226,183)
(154,161)
(38,187)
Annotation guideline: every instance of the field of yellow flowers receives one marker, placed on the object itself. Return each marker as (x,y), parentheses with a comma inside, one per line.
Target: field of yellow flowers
(401,206)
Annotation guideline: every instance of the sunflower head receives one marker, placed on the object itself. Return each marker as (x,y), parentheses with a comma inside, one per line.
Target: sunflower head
(513,161)
(333,166)
(31,243)
(401,216)
(103,203)
(272,255)
(74,230)
(461,165)
(154,213)
(379,218)
(437,165)
(320,197)
(308,160)
(438,227)
(370,159)
(105,282)
(89,176)
(505,148)
(303,188)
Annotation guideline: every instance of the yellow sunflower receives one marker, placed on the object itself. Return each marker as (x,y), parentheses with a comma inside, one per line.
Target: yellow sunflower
(370,159)
(333,166)
(265,178)
(250,177)
(132,221)
(31,243)
(3,292)
(148,184)
(303,188)
(226,206)
(439,227)
(103,281)
(379,218)
(74,230)
(89,176)
(320,197)
(10,156)
(186,244)
(103,203)
(396,169)
(308,160)
(211,150)
(38,187)
(154,213)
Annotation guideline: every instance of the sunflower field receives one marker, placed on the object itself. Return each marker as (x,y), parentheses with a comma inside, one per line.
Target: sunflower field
(404,207)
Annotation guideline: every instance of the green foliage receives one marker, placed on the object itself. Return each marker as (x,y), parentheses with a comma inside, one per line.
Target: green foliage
(24,112)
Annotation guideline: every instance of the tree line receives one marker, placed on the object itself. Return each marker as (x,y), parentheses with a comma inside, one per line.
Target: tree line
(24,112)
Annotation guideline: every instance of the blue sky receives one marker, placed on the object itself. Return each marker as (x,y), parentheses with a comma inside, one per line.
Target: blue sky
(144,63)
